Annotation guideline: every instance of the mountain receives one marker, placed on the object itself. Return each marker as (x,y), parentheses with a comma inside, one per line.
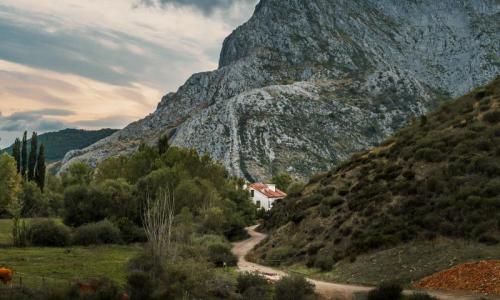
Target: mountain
(57,144)
(304,84)
(438,178)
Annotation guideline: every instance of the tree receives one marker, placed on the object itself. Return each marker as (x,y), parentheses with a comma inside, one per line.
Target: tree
(32,157)
(158,220)
(77,173)
(24,155)
(10,182)
(32,201)
(282,181)
(163,144)
(16,153)
(40,168)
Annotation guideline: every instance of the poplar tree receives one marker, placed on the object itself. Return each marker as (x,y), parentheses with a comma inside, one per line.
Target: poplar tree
(32,158)
(40,168)
(16,153)
(24,155)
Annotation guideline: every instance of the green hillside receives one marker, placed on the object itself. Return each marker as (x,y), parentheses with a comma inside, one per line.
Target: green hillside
(57,144)
(438,178)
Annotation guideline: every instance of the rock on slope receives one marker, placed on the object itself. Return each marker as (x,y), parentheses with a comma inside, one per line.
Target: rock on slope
(304,84)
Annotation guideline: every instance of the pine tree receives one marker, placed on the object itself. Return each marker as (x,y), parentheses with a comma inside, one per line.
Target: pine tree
(40,168)
(24,155)
(16,153)
(32,158)
(163,144)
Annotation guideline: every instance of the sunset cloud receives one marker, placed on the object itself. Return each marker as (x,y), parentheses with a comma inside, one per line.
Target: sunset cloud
(108,62)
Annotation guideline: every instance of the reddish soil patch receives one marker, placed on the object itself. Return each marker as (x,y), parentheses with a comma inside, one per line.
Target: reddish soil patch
(481,277)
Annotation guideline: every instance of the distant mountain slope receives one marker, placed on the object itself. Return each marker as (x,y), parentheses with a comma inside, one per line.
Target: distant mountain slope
(304,84)
(57,144)
(440,176)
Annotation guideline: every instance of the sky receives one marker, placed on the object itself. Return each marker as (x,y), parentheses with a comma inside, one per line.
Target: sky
(103,63)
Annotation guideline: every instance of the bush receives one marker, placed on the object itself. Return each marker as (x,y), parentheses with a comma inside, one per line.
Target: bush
(49,233)
(140,285)
(220,255)
(323,262)
(294,288)
(276,255)
(428,154)
(386,291)
(492,116)
(103,232)
(253,286)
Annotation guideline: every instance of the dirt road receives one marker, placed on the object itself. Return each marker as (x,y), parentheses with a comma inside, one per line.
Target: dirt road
(327,290)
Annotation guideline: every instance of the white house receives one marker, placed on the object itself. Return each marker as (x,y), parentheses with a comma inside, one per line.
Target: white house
(264,195)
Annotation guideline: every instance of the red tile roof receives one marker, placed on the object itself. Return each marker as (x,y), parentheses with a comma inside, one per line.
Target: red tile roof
(264,189)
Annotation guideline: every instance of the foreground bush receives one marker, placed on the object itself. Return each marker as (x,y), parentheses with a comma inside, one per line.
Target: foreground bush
(49,233)
(294,288)
(253,286)
(103,232)
(220,255)
(386,291)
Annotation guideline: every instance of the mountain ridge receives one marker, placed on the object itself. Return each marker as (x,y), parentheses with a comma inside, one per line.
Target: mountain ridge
(368,66)
(58,143)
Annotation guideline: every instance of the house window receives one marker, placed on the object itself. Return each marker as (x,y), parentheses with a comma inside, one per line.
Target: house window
(258,203)
(252,193)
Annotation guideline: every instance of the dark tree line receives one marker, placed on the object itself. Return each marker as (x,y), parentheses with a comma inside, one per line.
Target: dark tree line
(31,166)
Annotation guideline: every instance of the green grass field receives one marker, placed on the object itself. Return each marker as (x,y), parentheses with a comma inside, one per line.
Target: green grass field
(34,265)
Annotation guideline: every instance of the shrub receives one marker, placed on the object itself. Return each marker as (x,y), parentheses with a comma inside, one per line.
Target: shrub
(386,291)
(323,262)
(334,201)
(492,116)
(140,285)
(428,154)
(294,288)
(49,233)
(220,255)
(324,210)
(276,255)
(298,217)
(253,286)
(103,232)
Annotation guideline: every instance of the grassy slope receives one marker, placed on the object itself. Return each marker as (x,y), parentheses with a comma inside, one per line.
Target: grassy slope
(57,144)
(60,265)
(404,263)
(440,176)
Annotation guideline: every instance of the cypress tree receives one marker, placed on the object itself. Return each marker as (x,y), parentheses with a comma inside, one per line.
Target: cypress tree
(32,158)
(163,144)
(40,168)
(24,155)
(16,153)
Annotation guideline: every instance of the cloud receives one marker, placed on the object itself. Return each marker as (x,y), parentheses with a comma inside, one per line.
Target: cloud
(206,6)
(29,104)
(109,122)
(34,120)
(92,57)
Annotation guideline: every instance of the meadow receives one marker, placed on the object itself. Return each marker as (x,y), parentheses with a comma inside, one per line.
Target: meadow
(37,266)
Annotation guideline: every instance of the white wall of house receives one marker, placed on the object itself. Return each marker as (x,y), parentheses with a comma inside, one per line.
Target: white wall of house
(261,200)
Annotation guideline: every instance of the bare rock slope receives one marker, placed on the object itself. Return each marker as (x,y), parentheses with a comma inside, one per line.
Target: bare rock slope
(305,83)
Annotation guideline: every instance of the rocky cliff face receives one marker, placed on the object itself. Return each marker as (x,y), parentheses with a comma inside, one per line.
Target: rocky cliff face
(305,83)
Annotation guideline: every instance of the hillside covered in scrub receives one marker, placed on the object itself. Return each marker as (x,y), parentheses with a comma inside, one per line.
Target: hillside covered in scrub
(57,144)
(438,177)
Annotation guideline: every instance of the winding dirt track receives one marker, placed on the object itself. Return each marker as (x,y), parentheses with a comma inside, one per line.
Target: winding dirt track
(327,290)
